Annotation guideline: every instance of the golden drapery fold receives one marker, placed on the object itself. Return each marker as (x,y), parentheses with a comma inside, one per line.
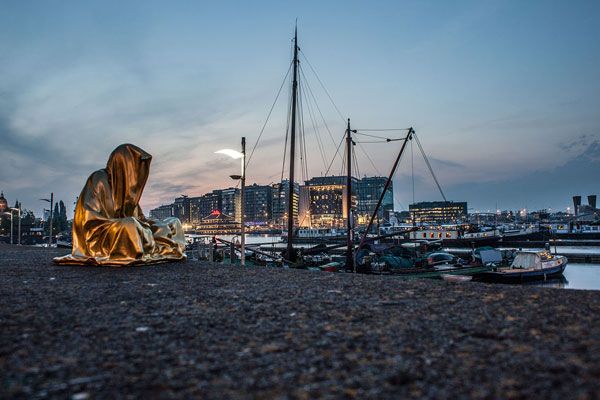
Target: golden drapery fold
(109,227)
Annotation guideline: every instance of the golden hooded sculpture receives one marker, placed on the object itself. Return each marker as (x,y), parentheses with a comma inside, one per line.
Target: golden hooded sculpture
(109,227)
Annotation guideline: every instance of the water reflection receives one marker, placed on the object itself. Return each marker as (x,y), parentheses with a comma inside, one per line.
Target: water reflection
(556,282)
(576,276)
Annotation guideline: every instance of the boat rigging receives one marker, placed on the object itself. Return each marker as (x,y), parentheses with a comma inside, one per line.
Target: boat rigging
(301,98)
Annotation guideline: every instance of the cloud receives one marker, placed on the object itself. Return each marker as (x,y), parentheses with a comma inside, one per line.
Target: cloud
(547,188)
(445,163)
(579,143)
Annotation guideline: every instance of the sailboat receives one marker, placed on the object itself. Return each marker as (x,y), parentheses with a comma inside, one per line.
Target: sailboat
(290,254)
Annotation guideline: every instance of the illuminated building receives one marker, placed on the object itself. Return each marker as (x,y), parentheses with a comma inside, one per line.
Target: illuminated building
(327,196)
(279,202)
(182,209)
(4,215)
(369,191)
(162,212)
(207,204)
(304,207)
(438,211)
(258,204)
(217,223)
(230,203)
(3,203)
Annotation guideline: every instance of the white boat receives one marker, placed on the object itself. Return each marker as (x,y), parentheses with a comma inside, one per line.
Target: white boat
(537,265)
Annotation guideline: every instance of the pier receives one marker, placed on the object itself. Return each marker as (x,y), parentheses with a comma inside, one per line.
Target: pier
(197,329)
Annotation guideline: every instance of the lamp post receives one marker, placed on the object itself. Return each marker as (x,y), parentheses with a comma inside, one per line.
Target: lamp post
(11,225)
(242,156)
(51,201)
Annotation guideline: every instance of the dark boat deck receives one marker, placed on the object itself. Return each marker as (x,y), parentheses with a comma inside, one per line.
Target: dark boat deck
(210,331)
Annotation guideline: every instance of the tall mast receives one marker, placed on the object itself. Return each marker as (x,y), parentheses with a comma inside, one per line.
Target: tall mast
(350,245)
(408,137)
(290,230)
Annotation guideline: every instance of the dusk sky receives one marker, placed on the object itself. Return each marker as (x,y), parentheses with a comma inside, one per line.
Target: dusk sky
(504,95)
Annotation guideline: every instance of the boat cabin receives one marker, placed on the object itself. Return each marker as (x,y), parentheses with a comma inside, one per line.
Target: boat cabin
(536,260)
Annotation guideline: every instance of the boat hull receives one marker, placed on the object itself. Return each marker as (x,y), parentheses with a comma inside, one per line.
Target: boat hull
(516,276)
(431,273)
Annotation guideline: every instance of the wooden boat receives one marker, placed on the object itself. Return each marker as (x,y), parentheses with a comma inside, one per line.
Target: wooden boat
(456,278)
(439,272)
(527,266)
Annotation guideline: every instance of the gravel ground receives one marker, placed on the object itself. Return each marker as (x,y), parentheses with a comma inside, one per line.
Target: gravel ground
(199,330)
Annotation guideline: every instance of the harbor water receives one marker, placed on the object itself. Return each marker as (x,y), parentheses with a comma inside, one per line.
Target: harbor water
(576,276)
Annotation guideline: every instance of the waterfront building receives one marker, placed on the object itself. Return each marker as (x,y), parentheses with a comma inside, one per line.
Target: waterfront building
(304,207)
(368,192)
(208,203)
(3,203)
(443,212)
(258,204)
(231,203)
(182,209)
(217,223)
(4,216)
(586,212)
(162,212)
(279,202)
(327,196)
(398,217)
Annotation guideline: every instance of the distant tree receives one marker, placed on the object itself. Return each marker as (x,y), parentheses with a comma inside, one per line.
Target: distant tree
(5,224)
(55,219)
(59,218)
(27,218)
(62,216)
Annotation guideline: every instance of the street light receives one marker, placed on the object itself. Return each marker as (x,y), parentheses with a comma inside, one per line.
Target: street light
(11,225)
(51,201)
(11,209)
(242,156)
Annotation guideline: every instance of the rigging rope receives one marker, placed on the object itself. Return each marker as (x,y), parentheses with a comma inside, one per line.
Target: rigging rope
(429,166)
(268,116)
(412,167)
(368,157)
(373,136)
(310,91)
(323,86)
(383,130)
(333,159)
(355,159)
(302,137)
(315,128)
(287,131)
(343,168)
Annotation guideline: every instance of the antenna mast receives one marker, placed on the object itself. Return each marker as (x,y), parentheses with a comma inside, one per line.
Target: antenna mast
(290,228)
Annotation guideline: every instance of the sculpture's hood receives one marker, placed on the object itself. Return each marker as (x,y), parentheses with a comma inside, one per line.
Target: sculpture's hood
(128,169)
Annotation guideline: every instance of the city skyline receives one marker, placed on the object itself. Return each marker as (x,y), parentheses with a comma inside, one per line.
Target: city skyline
(503,101)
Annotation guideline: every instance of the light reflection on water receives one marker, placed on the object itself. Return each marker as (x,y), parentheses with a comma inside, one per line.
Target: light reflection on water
(576,276)
(579,276)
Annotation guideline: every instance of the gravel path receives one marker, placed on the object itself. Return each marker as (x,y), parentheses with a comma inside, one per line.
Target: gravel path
(209,331)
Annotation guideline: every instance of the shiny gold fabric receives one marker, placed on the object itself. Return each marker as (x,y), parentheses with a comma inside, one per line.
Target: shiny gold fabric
(109,227)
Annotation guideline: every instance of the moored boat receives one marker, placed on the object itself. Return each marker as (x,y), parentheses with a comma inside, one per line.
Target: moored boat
(527,266)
